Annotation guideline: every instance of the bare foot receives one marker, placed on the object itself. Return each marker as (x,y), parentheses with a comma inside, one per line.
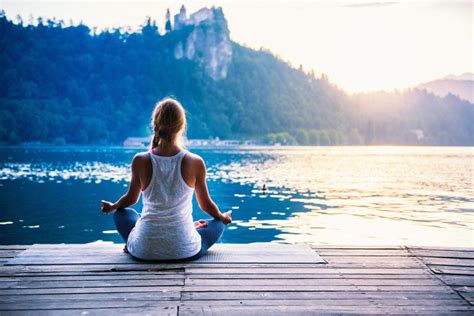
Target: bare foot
(200,224)
(125,249)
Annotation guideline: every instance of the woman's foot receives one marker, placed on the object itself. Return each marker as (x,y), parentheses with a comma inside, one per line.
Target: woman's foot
(200,224)
(125,249)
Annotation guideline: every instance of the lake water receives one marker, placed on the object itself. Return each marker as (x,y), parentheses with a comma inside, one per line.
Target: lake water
(321,195)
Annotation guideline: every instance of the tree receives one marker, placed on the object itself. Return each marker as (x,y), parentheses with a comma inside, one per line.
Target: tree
(324,138)
(302,137)
(313,137)
(168,21)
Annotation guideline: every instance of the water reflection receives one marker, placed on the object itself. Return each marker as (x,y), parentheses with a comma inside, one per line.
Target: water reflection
(324,195)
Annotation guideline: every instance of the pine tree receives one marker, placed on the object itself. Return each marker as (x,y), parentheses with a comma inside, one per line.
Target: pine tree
(168,21)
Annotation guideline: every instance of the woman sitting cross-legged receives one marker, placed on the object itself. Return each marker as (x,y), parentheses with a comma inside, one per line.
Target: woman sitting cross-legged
(167,176)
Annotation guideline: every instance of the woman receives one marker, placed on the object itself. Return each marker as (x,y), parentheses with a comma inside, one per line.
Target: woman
(167,176)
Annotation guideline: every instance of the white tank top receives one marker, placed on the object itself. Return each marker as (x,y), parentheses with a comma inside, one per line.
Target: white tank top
(165,229)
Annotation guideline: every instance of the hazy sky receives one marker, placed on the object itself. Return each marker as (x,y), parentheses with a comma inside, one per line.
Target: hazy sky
(361,45)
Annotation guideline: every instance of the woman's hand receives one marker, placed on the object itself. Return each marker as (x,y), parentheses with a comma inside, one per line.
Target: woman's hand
(226,217)
(106,206)
(200,224)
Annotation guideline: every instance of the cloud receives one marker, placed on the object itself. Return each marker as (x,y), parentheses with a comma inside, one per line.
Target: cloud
(368,4)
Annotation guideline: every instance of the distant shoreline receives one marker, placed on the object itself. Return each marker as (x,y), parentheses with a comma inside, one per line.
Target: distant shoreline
(46,145)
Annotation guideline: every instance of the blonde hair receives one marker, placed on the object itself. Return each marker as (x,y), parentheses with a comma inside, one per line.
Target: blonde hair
(168,121)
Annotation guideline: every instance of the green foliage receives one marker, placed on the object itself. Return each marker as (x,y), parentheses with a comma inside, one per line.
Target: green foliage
(66,85)
(302,137)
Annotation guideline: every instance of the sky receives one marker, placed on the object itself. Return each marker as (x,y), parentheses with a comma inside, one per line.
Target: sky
(362,46)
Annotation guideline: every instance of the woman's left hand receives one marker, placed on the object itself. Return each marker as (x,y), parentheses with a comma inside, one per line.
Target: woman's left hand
(200,224)
(106,206)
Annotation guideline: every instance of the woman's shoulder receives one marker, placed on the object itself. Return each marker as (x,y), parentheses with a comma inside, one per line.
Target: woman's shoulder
(193,160)
(192,157)
(141,158)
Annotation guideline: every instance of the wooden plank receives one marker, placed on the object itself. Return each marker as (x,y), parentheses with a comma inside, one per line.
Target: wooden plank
(240,253)
(386,301)
(310,270)
(307,276)
(448,261)
(303,295)
(91,283)
(8,270)
(14,247)
(463,289)
(59,272)
(9,253)
(316,288)
(351,247)
(190,282)
(89,290)
(261,253)
(441,248)
(71,246)
(364,253)
(456,280)
(118,258)
(443,254)
(308,310)
(212,268)
(439,269)
(146,296)
(76,304)
(346,263)
(122,276)
(402,260)
(145,311)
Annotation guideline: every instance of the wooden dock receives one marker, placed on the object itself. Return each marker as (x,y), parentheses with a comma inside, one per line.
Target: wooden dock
(354,279)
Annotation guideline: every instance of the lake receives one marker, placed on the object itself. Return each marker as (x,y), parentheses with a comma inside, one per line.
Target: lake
(321,195)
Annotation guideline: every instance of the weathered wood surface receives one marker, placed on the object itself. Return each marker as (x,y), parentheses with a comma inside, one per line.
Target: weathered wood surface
(111,254)
(59,280)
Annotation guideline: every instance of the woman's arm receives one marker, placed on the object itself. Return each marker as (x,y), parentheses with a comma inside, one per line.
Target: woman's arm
(204,200)
(133,193)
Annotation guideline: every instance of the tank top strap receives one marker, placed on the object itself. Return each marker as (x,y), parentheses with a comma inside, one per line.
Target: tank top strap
(179,164)
(182,153)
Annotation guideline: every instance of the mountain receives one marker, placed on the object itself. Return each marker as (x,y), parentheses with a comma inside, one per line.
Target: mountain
(464,76)
(71,84)
(461,86)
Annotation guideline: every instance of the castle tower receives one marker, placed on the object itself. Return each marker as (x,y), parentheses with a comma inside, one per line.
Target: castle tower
(180,19)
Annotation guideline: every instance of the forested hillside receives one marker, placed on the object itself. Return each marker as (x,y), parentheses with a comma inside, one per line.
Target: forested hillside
(69,84)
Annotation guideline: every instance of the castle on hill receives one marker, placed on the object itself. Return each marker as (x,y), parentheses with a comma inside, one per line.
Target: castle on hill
(208,41)
(203,15)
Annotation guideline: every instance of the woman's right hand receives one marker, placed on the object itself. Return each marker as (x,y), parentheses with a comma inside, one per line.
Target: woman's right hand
(226,217)
(106,206)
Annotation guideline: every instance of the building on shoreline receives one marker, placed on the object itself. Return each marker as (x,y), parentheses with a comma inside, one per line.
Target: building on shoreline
(145,141)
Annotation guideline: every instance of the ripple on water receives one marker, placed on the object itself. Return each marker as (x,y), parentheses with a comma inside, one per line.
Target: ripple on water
(345,195)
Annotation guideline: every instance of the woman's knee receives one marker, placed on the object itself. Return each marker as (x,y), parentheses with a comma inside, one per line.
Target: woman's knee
(123,213)
(220,224)
(120,212)
(217,227)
